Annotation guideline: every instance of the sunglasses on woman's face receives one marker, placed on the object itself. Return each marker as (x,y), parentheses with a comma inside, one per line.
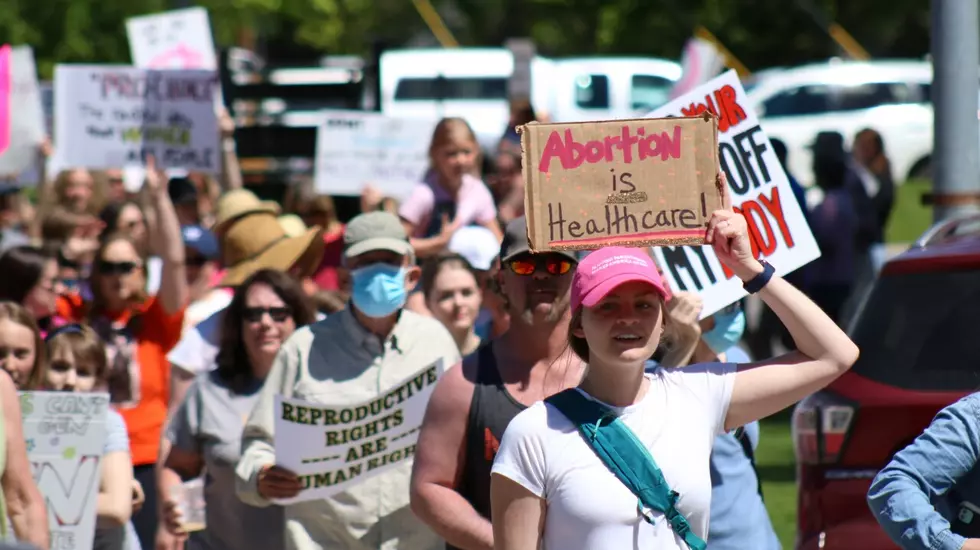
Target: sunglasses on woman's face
(277,314)
(115,268)
(528,264)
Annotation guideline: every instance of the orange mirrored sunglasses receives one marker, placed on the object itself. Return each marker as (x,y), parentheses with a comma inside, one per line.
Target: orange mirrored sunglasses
(527,265)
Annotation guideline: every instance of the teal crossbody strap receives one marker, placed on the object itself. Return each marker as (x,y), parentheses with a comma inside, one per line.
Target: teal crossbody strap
(616,445)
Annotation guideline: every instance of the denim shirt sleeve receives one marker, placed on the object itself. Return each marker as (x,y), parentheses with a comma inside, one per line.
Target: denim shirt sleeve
(901,494)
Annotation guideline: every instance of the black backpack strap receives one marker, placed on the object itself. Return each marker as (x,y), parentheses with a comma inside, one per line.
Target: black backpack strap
(743,438)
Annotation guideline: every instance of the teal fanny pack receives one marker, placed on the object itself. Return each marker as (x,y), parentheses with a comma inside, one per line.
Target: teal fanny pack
(617,446)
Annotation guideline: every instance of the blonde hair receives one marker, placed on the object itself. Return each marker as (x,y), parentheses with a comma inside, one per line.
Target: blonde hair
(99,185)
(454,130)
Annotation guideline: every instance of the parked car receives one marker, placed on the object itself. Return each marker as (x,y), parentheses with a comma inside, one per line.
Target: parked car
(892,97)
(917,331)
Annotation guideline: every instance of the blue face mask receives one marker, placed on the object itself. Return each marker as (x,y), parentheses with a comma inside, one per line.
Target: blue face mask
(378,289)
(728,329)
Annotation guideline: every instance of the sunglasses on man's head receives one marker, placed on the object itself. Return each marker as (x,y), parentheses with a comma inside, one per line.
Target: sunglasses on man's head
(278,314)
(115,268)
(528,264)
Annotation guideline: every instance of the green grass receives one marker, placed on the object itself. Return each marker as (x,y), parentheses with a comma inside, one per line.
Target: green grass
(910,218)
(777,469)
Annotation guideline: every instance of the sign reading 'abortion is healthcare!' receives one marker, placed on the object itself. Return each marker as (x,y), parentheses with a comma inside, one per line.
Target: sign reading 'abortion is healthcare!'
(625,182)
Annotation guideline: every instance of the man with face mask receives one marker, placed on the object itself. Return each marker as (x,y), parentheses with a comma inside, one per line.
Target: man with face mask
(738,516)
(472,405)
(359,355)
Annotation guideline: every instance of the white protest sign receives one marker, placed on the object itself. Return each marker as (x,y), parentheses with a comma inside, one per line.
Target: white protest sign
(110,116)
(354,149)
(333,447)
(65,435)
(760,191)
(25,117)
(179,39)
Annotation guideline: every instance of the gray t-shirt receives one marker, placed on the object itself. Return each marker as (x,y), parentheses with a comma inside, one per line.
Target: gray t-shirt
(209,422)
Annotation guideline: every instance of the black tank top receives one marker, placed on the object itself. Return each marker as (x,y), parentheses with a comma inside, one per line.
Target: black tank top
(491,410)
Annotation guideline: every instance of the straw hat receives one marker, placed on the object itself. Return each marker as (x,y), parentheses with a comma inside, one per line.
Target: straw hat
(238,202)
(256,240)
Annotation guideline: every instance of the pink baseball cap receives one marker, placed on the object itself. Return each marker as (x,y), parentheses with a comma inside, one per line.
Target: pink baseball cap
(605,269)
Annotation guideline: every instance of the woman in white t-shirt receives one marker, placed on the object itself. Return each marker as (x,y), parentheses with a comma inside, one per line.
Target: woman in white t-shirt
(549,489)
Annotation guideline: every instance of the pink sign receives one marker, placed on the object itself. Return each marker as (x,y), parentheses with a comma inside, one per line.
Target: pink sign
(4,97)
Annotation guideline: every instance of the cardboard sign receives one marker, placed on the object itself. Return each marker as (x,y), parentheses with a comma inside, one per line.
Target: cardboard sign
(759,188)
(178,39)
(109,116)
(625,182)
(65,435)
(356,148)
(334,447)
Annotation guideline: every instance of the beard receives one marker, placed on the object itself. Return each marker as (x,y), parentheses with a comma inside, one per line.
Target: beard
(558,307)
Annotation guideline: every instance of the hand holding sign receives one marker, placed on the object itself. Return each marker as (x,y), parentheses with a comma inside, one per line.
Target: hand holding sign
(277,482)
(728,233)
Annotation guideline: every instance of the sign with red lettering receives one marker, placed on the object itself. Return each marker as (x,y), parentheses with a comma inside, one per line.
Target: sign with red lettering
(624,182)
(760,191)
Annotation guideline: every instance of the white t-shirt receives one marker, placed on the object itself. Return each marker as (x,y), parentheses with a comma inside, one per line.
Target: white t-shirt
(588,507)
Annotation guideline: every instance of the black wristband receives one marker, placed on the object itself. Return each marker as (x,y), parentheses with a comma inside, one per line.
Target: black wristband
(757,283)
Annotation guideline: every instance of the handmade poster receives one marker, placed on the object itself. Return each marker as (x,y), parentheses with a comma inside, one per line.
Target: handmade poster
(624,182)
(21,116)
(178,39)
(760,191)
(334,447)
(354,149)
(65,435)
(109,116)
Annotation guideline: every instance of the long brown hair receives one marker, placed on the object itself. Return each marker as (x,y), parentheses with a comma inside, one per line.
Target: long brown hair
(234,366)
(19,315)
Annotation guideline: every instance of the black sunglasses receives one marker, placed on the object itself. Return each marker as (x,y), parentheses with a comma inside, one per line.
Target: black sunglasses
(278,314)
(115,268)
(195,261)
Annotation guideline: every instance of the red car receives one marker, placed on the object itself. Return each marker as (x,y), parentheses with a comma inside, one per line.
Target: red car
(919,335)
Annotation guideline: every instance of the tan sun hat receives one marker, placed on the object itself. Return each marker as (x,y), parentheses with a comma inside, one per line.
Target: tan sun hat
(256,240)
(238,202)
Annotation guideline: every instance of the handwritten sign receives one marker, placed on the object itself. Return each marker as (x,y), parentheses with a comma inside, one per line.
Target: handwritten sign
(178,39)
(760,191)
(358,148)
(113,117)
(332,448)
(65,436)
(625,182)
(21,115)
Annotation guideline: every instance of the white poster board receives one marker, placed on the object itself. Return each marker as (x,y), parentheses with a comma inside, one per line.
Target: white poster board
(354,149)
(179,39)
(333,447)
(65,435)
(26,117)
(760,191)
(109,116)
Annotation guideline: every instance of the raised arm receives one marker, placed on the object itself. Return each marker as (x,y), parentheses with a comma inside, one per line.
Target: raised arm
(824,351)
(435,474)
(901,494)
(167,242)
(25,505)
